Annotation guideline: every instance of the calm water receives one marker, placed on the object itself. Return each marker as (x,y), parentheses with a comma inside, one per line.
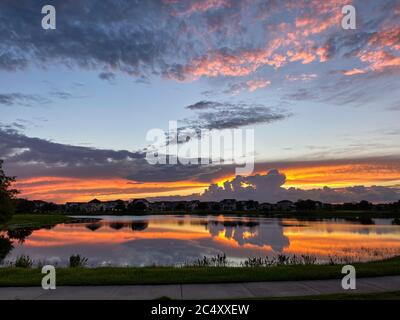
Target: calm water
(171,240)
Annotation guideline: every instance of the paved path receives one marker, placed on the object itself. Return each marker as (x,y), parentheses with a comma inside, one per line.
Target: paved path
(202,291)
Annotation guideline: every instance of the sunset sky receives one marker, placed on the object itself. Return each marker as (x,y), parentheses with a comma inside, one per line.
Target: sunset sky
(77,102)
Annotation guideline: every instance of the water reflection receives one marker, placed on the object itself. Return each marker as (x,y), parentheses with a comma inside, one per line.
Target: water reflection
(168,240)
(20,234)
(5,247)
(251,232)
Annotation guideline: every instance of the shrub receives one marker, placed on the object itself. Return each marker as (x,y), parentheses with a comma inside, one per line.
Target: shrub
(77,261)
(23,262)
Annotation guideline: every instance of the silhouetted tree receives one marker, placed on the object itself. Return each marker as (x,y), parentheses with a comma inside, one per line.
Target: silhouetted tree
(306,205)
(20,234)
(6,196)
(137,206)
(24,206)
(365,205)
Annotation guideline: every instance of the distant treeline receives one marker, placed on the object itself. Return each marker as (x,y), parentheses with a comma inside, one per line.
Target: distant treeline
(226,205)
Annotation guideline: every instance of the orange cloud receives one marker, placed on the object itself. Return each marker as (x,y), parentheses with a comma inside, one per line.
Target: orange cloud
(314,175)
(306,57)
(387,38)
(335,175)
(380,60)
(60,189)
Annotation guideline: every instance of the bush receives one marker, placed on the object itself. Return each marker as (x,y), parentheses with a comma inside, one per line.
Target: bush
(77,261)
(24,262)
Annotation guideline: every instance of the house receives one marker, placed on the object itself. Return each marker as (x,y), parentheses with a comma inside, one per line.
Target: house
(94,206)
(228,205)
(208,206)
(159,206)
(285,205)
(114,205)
(179,205)
(192,205)
(247,205)
(75,206)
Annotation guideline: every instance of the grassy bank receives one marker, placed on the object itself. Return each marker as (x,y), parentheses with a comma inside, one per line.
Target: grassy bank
(36,221)
(168,275)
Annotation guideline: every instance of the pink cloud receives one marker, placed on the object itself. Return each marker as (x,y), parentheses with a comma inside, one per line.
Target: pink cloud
(354,71)
(303,56)
(380,60)
(254,85)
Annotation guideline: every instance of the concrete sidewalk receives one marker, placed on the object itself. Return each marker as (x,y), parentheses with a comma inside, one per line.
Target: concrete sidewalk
(201,291)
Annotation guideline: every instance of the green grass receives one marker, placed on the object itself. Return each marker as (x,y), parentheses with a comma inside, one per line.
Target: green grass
(38,220)
(168,275)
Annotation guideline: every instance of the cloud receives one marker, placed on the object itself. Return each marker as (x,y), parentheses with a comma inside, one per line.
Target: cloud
(197,6)
(302,77)
(107,76)
(20,99)
(380,60)
(249,85)
(63,95)
(354,71)
(96,34)
(59,172)
(227,115)
(269,188)
(33,157)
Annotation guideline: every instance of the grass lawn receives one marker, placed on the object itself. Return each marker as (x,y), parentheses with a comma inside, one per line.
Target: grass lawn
(167,275)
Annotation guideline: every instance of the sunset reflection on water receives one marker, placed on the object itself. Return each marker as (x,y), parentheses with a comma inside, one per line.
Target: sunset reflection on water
(171,240)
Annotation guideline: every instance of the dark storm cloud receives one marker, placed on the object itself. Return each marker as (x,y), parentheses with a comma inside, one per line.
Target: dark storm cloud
(33,157)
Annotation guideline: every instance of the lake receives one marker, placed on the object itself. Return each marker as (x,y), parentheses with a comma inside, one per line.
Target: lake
(176,239)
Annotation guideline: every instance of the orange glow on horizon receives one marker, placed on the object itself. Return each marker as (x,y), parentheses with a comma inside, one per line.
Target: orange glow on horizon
(66,189)
(335,176)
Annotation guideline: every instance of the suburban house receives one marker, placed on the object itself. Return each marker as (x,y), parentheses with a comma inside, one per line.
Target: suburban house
(265,206)
(228,205)
(285,205)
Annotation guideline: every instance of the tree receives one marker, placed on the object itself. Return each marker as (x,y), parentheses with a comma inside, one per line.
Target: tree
(6,196)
